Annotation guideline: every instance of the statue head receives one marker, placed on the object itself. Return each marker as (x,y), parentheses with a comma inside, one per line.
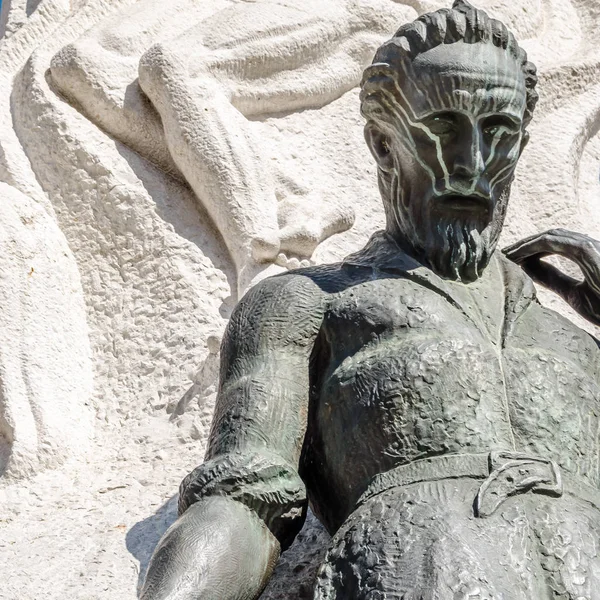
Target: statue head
(447,102)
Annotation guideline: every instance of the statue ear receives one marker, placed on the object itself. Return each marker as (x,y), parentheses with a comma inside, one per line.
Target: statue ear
(379,145)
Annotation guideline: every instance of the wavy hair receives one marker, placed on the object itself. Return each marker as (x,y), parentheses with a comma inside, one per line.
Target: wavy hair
(463,22)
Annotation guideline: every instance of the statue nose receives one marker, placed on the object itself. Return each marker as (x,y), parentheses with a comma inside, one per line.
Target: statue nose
(466,175)
(469,186)
(468,164)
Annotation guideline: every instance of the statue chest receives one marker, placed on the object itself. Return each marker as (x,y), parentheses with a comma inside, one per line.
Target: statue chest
(402,373)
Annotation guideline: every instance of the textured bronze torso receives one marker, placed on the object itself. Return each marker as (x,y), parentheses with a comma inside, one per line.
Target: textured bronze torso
(402,373)
(406,368)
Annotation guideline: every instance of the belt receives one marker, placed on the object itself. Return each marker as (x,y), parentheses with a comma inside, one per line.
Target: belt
(504,474)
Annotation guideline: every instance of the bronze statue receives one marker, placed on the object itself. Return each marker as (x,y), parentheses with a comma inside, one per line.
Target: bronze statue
(441,422)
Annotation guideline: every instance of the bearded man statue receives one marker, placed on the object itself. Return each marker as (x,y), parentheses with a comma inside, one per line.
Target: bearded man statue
(442,424)
(453,101)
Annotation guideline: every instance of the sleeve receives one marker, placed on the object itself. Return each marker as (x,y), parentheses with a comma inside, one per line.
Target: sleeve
(262,407)
(263,482)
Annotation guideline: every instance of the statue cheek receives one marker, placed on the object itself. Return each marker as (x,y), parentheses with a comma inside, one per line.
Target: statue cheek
(427,171)
(514,151)
(429,161)
(510,148)
(503,161)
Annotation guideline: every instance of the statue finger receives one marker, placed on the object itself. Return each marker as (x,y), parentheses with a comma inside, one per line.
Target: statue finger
(570,244)
(549,276)
(589,263)
(589,303)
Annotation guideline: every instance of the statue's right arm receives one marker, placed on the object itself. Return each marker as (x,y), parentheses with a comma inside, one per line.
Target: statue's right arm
(247,501)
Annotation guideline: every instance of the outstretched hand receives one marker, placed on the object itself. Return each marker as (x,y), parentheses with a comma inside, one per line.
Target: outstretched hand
(582,296)
(218,549)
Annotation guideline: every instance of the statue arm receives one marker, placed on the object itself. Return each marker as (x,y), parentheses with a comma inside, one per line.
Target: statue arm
(247,501)
(583,296)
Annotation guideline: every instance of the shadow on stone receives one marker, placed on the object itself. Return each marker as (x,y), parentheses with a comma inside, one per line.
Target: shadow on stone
(142,538)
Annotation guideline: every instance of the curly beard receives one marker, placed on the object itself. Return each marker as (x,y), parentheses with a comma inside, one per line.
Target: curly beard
(455,247)
(461,249)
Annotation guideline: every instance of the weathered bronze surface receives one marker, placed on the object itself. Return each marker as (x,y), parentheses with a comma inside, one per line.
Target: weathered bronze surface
(440,421)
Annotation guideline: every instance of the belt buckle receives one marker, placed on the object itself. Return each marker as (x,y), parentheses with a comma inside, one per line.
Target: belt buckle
(513,473)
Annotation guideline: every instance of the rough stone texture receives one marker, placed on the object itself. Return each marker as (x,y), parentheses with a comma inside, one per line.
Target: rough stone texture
(155,276)
(45,366)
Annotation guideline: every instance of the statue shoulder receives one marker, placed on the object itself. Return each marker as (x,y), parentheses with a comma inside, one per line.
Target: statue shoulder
(299,289)
(285,308)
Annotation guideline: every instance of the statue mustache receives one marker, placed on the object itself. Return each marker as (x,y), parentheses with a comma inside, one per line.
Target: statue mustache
(464,194)
(476,188)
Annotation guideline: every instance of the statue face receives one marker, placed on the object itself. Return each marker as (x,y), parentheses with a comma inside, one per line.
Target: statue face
(448,147)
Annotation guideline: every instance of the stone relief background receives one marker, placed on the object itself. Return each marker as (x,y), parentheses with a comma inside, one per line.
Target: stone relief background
(121,258)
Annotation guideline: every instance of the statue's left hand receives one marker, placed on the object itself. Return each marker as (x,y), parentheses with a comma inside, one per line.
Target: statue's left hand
(583,296)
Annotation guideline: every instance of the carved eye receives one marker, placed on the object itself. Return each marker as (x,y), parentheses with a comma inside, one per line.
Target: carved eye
(493,126)
(443,124)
